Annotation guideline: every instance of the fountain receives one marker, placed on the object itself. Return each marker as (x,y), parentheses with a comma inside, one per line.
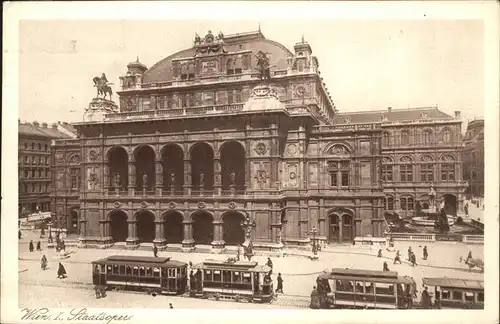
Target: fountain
(433,217)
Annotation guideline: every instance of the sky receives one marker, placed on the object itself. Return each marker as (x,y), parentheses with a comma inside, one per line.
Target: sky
(366,64)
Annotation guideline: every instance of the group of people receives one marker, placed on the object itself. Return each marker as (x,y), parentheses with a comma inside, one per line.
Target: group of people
(61,271)
(411,257)
(32,246)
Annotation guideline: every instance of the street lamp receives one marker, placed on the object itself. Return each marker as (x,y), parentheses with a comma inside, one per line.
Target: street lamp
(247,226)
(314,248)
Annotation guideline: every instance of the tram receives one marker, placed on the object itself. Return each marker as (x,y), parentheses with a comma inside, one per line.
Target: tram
(244,281)
(449,293)
(150,274)
(352,288)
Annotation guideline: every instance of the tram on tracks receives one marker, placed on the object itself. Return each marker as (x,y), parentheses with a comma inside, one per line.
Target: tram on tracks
(454,293)
(151,274)
(353,288)
(244,281)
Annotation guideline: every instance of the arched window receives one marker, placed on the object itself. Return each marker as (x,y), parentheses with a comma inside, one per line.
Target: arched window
(426,169)
(386,139)
(446,136)
(191,71)
(405,137)
(230,67)
(238,66)
(406,169)
(184,71)
(301,65)
(387,170)
(406,203)
(426,136)
(389,203)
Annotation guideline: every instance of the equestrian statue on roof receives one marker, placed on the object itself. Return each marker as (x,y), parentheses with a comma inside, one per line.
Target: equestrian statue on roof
(103,86)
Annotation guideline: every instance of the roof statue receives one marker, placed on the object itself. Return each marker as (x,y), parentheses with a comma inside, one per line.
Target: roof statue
(263,65)
(103,86)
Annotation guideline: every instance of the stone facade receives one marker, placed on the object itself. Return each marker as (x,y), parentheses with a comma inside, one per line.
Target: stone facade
(201,141)
(473,158)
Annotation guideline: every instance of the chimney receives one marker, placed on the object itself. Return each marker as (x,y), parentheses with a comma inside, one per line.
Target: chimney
(457,114)
(389,109)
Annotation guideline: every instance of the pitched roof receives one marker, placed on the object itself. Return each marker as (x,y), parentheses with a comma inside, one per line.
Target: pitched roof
(31,130)
(255,41)
(373,116)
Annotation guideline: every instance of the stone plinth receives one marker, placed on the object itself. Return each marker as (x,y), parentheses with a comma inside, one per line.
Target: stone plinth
(98,108)
(263,98)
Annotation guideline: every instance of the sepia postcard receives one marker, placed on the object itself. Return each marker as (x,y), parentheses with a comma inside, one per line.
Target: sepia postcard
(237,162)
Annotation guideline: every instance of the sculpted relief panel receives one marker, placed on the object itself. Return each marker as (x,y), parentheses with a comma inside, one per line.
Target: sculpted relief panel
(291,175)
(260,175)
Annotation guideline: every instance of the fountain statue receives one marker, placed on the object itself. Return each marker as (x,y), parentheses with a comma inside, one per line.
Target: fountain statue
(432,199)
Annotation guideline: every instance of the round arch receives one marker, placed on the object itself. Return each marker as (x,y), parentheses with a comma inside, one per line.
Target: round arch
(145,168)
(234,234)
(172,227)
(202,167)
(145,222)
(330,148)
(118,159)
(118,225)
(203,232)
(450,204)
(172,157)
(232,159)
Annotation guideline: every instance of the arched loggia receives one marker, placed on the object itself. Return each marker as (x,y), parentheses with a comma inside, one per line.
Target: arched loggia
(202,166)
(232,159)
(172,158)
(145,226)
(118,168)
(118,226)
(145,163)
(203,232)
(234,233)
(173,229)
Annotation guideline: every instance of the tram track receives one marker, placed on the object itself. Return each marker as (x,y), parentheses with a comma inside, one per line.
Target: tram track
(284,300)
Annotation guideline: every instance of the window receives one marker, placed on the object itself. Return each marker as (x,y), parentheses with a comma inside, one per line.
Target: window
(183,100)
(46,160)
(480,297)
(45,147)
(447,172)
(230,97)
(39,173)
(33,146)
(26,188)
(26,174)
(237,96)
(469,296)
(407,203)
(426,136)
(386,139)
(230,67)
(217,275)
(344,173)
(406,172)
(32,173)
(402,203)
(25,146)
(191,73)
(446,136)
(46,173)
(75,178)
(26,159)
(426,172)
(387,173)
(333,178)
(405,138)
(389,203)
(39,146)
(457,295)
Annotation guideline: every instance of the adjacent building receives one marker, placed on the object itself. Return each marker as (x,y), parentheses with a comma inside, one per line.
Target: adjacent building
(238,128)
(34,164)
(473,158)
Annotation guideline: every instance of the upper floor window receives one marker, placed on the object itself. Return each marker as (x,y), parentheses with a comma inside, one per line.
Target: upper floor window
(25,146)
(446,136)
(75,178)
(339,172)
(389,203)
(230,67)
(33,146)
(33,173)
(46,147)
(427,172)
(406,203)
(387,172)
(426,136)
(386,139)
(405,138)
(39,146)
(447,168)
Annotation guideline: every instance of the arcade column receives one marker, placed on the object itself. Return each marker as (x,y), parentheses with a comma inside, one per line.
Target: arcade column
(188,242)
(160,239)
(187,176)
(131,178)
(217,176)
(218,242)
(159,177)
(132,233)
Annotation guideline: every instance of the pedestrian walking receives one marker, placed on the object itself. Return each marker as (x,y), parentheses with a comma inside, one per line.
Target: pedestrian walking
(170,306)
(42,232)
(425,299)
(61,271)
(31,246)
(466,210)
(425,253)
(385,267)
(38,246)
(409,253)
(413,259)
(379,255)
(469,256)
(191,280)
(279,287)
(155,250)
(43,262)
(397,258)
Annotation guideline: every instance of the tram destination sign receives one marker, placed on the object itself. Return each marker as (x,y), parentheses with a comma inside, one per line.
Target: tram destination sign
(449,237)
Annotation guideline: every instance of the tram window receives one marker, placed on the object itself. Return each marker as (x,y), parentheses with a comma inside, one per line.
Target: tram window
(149,272)
(226,276)
(96,268)
(103,270)
(142,271)
(163,272)
(480,297)
(246,278)
(208,275)
(122,270)
(156,272)
(369,288)
(469,296)
(217,275)
(445,294)
(236,277)
(128,271)
(115,269)
(457,295)
(135,271)
(384,289)
(109,269)
(359,287)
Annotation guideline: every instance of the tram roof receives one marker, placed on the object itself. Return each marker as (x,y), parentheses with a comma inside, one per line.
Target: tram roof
(140,260)
(229,265)
(362,273)
(454,283)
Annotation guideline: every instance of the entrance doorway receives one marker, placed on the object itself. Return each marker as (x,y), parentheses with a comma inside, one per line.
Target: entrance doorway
(145,226)
(233,232)
(450,204)
(174,232)
(118,226)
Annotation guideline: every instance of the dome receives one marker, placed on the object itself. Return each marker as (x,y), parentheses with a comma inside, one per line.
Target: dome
(255,41)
